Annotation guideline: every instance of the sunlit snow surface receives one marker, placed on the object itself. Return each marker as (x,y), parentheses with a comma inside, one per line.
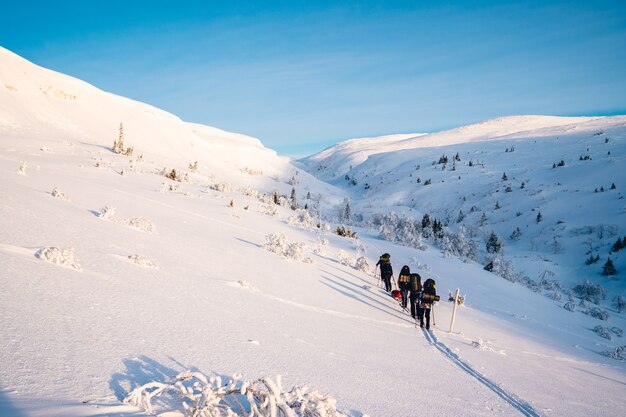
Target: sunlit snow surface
(173,276)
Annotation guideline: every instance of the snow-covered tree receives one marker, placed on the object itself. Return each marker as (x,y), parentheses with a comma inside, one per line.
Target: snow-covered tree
(494,243)
(517,233)
(619,302)
(608,268)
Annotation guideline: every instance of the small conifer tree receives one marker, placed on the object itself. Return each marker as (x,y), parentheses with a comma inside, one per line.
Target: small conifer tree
(494,244)
(609,269)
(539,217)
(504,177)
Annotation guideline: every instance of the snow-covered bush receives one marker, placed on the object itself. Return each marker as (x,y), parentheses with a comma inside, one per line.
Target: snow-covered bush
(107,213)
(342,257)
(252,172)
(176,175)
(361,264)
(56,193)
(570,306)
(141,261)
(319,246)
(277,243)
(589,291)
(208,397)
(618,353)
(502,268)
(270,210)
(60,256)
(597,313)
(617,331)
(22,168)
(222,187)
(302,218)
(619,302)
(602,331)
(140,223)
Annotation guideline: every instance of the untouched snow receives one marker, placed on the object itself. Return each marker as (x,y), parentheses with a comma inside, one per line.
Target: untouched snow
(191,288)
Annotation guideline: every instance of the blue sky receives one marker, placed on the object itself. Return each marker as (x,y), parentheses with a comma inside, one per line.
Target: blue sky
(303,75)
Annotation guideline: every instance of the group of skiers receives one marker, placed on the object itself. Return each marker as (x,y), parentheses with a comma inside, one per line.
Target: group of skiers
(411,290)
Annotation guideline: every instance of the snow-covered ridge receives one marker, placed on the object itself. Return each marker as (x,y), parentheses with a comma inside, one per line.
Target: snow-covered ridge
(35,99)
(337,160)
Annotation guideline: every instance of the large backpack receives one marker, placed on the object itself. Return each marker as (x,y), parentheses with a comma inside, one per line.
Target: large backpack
(416,283)
(403,278)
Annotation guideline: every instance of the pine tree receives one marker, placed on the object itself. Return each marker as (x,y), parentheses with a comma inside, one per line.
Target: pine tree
(504,177)
(497,205)
(619,302)
(460,217)
(618,245)
(293,201)
(494,244)
(539,217)
(118,144)
(608,268)
(613,186)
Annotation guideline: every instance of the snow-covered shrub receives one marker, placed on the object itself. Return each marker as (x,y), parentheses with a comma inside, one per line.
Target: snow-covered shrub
(597,313)
(342,257)
(460,299)
(60,256)
(252,172)
(617,331)
(222,187)
(270,210)
(502,268)
(208,397)
(555,295)
(107,213)
(141,261)
(319,246)
(22,168)
(140,223)
(346,232)
(302,218)
(602,331)
(619,302)
(176,176)
(249,191)
(193,167)
(361,264)
(56,193)
(277,243)
(589,291)
(618,353)
(297,252)
(570,306)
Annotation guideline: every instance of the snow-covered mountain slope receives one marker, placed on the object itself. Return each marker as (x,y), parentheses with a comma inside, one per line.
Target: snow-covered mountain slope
(563,168)
(151,277)
(336,160)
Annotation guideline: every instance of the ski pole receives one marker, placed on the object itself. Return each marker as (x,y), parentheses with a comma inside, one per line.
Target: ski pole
(432,312)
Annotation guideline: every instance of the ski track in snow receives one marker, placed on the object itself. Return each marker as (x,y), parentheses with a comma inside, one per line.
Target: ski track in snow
(517,403)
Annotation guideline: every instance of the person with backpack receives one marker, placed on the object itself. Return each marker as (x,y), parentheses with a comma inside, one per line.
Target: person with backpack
(386,271)
(427,297)
(415,288)
(403,284)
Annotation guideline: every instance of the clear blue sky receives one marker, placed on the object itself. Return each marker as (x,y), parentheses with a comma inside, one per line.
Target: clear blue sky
(303,75)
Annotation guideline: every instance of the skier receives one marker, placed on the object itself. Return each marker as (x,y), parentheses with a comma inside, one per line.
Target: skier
(415,287)
(426,299)
(403,284)
(386,271)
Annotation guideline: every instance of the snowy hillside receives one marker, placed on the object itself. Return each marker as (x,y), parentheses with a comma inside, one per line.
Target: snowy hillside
(114,273)
(501,175)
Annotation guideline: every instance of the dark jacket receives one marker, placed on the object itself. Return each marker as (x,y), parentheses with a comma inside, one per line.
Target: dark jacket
(385,268)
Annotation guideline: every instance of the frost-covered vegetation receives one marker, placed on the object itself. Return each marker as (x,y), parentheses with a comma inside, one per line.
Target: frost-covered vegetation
(141,224)
(200,396)
(59,256)
(277,243)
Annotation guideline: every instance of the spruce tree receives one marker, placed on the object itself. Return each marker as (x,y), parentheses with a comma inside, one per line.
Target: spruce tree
(494,245)
(608,268)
